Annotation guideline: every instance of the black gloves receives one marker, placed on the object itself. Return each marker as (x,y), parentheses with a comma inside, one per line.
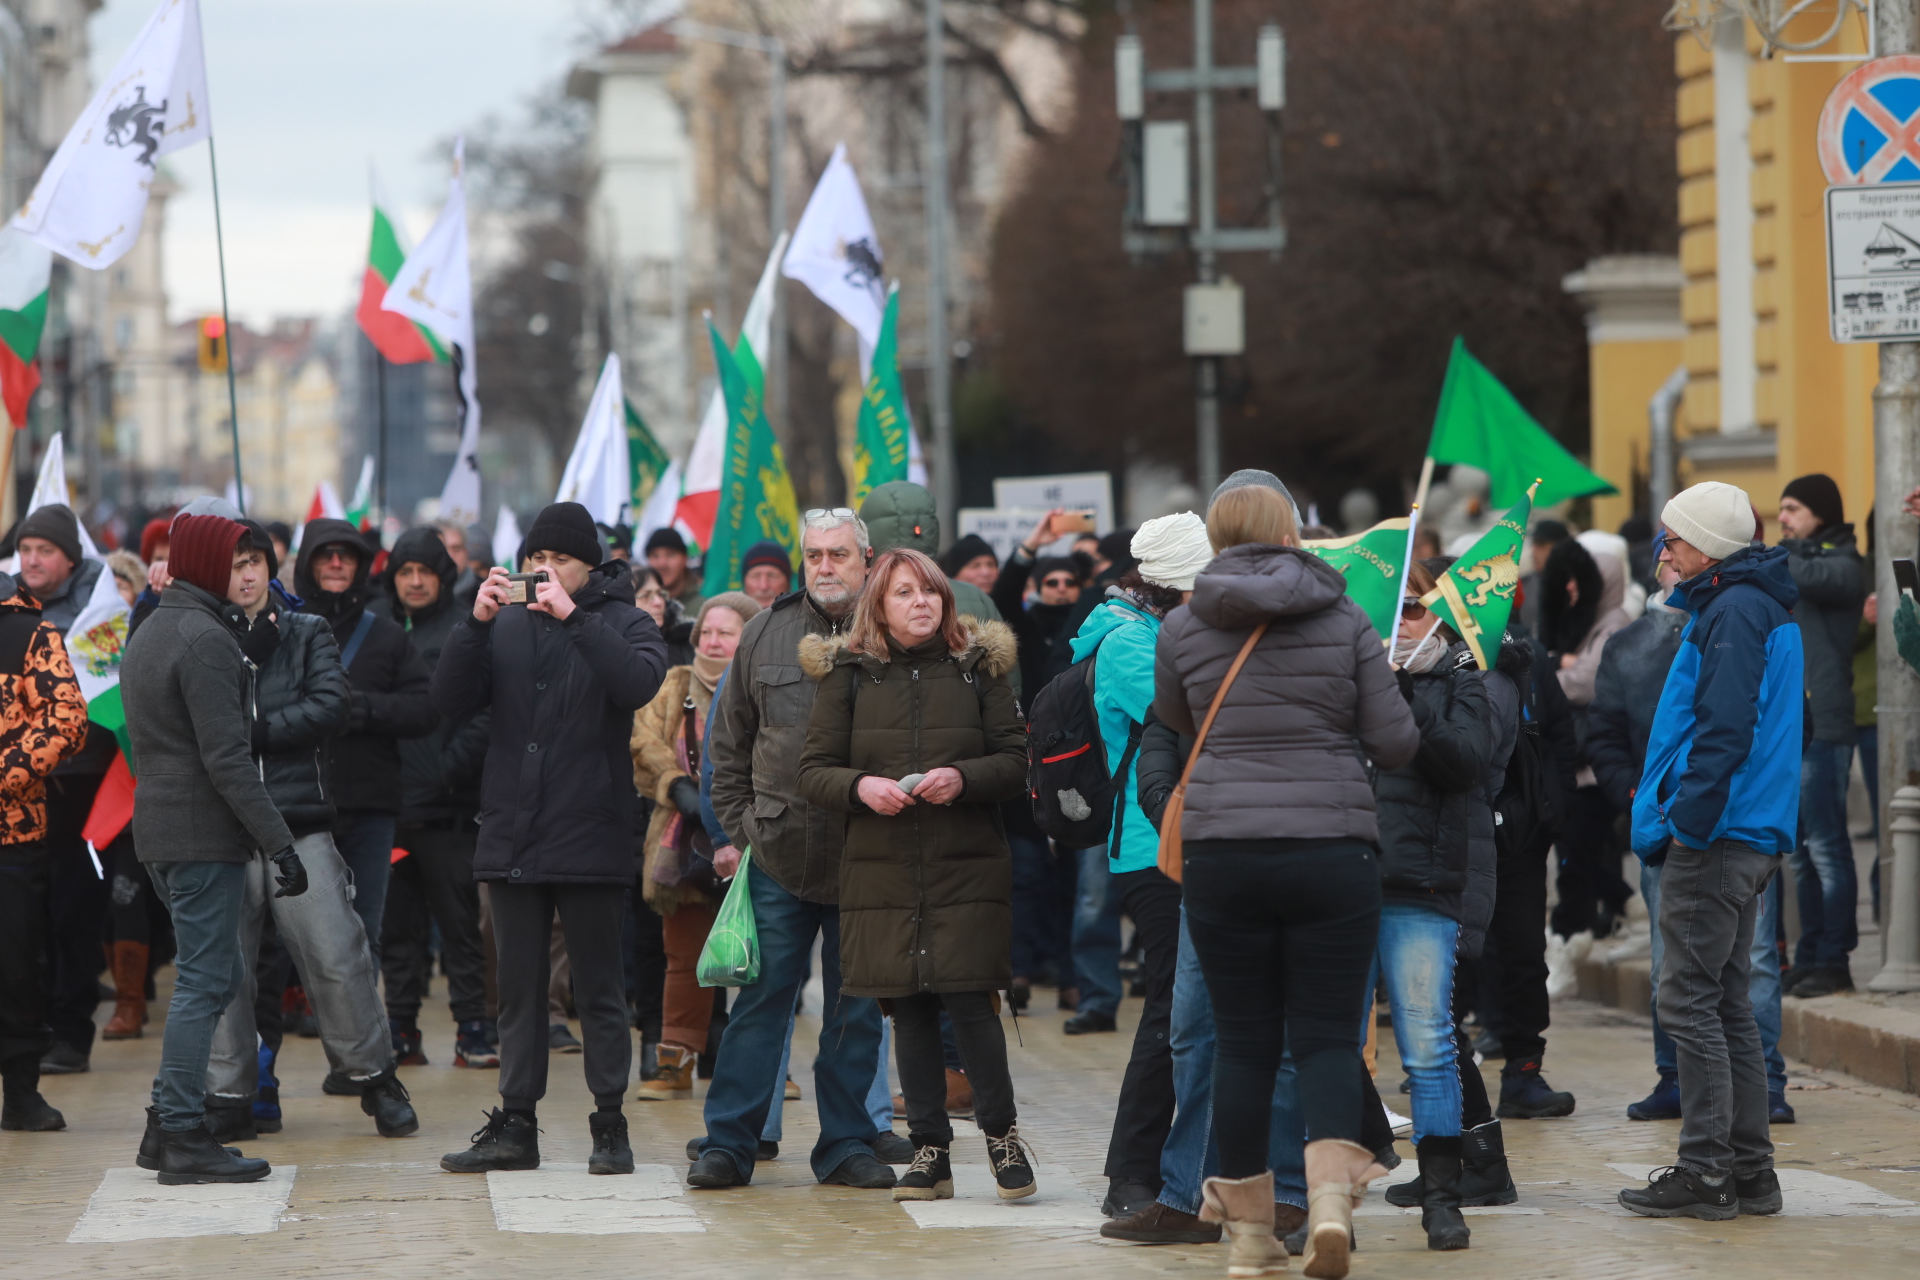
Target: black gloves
(685,794)
(1406,684)
(289,874)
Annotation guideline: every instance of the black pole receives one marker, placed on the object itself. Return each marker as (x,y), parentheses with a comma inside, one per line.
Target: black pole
(380,482)
(226,321)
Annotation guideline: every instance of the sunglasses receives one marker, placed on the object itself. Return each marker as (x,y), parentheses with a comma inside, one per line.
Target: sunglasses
(838,513)
(1412,610)
(1057,584)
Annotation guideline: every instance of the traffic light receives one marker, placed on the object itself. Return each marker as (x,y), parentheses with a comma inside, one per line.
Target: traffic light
(213,345)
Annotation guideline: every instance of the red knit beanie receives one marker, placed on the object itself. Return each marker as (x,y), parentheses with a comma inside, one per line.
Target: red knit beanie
(200,551)
(152,536)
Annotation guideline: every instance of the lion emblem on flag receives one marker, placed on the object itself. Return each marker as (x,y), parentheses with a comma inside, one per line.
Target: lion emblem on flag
(1497,576)
(137,124)
(100,648)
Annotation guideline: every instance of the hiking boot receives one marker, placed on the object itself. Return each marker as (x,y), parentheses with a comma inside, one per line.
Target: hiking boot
(792,1093)
(1778,1112)
(266,1097)
(191,1156)
(1662,1104)
(1525,1096)
(1127,1196)
(860,1170)
(1012,1165)
(892,1148)
(385,1099)
(930,1177)
(128,960)
(472,1047)
(1244,1209)
(504,1142)
(560,1040)
(715,1171)
(25,1111)
(1440,1194)
(959,1095)
(612,1153)
(406,1043)
(672,1079)
(1088,1022)
(149,1155)
(1758,1193)
(230,1119)
(1160,1224)
(339,1084)
(1673,1192)
(64,1060)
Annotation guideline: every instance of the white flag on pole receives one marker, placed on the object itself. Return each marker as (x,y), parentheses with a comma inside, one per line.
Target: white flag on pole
(50,487)
(662,506)
(599,474)
(89,202)
(507,539)
(434,287)
(836,252)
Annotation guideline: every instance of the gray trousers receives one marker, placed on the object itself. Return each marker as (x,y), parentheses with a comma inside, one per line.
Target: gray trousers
(1709,900)
(329,947)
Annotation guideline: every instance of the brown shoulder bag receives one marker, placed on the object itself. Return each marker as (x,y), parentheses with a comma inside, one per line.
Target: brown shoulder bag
(1171,853)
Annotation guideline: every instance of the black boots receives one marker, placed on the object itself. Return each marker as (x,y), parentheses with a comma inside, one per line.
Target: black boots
(504,1142)
(149,1157)
(192,1156)
(230,1119)
(385,1099)
(1484,1177)
(1440,1194)
(23,1109)
(611,1151)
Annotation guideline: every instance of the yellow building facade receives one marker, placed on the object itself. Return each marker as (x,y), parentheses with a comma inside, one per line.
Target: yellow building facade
(1768,395)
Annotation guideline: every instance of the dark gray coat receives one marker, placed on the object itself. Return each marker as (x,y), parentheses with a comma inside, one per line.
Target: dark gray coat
(1633,671)
(1502,685)
(759,733)
(440,773)
(1428,803)
(302,703)
(556,795)
(188,693)
(1833,590)
(1285,758)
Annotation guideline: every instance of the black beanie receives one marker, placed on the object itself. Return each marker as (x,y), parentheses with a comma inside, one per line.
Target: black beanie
(767,552)
(54,523)
(263,543)
(567,528)
(1820,495)
(967,548)
(665,539)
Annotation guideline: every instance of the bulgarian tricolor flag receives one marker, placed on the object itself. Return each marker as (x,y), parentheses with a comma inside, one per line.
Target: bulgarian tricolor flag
(360,509)
(397,338)
(25,269)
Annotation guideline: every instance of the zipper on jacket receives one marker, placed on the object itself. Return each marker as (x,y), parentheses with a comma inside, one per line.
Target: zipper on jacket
(920,849)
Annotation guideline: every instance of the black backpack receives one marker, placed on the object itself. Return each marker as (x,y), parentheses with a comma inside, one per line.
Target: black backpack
(1075,800)
(1523,810)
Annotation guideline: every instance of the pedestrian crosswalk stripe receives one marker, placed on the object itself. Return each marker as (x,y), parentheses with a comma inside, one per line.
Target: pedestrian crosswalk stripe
(1806,1194)
(564,1199)
(130,1204)
(1060,1202)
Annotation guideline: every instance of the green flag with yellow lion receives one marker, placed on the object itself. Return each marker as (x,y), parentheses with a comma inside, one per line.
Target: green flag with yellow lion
(1475,596)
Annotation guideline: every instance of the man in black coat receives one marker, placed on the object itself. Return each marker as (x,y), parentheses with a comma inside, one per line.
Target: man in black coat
(440,796)
(563,673)
(386,702)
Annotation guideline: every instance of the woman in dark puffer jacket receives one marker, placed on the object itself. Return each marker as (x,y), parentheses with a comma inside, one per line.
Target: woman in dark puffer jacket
(1427,819)
(1282,886)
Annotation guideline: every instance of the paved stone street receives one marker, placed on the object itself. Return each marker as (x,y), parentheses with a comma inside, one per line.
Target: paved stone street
(345,1202)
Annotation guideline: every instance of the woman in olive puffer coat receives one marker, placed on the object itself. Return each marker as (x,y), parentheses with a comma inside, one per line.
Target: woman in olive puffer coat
(914,692)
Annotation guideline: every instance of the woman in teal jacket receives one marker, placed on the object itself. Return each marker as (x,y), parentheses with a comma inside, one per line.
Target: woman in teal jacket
(1118,637)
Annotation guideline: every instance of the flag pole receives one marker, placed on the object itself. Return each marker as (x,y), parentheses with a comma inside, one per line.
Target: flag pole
(226,321)
(1406,567)
(380,488)
(1426,482)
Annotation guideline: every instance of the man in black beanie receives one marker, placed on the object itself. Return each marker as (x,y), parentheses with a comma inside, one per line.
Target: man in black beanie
(667,556)
(1826,566)
(562,675)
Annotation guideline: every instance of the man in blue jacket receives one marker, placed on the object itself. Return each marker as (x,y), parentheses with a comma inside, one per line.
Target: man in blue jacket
(1718,803)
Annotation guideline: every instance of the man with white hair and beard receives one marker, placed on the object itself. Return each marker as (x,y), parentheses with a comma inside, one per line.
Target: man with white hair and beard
(759,727)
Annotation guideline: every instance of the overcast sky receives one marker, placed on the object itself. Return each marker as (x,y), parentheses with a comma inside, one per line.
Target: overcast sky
(305,94)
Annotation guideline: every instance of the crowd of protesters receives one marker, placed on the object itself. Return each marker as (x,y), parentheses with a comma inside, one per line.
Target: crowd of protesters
(544,780)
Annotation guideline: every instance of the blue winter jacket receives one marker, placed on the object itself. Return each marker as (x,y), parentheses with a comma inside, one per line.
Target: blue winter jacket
(1125,635)
(1723,759)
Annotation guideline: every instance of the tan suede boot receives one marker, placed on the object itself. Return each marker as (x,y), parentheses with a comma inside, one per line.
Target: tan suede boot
(128,960)
(1337,1175)
(1244,1206)
(672,1078)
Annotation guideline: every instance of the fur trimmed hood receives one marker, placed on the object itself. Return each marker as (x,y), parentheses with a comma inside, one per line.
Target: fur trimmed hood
(990,646)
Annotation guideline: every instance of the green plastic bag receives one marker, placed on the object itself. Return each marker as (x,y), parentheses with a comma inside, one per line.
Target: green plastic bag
(731,957)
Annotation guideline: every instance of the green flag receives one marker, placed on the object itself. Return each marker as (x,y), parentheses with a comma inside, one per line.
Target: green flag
(1475,595)
(1373,563)
(645,456)
(756,494)
(880,442)
(1480,423)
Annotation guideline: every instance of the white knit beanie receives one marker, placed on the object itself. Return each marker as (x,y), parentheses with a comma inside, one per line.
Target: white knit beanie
(1715,519)
(1172,550)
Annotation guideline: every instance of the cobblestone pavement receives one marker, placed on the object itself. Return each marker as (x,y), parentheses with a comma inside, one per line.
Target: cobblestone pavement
(345,1202)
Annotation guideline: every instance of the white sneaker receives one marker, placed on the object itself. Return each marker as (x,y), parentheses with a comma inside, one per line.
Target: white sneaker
(1402,1125)
(1563,960)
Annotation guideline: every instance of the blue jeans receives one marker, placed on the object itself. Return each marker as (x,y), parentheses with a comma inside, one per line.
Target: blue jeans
(1763,982)
(205,900)
(365,840)
(1416,956)
(1189,1156)
(1867,738)
(747,1078)
(1823,873)
(1037,936)
(1096,935)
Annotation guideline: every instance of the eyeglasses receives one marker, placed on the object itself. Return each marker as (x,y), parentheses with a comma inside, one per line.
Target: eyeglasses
(1057,584)
(838,513)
